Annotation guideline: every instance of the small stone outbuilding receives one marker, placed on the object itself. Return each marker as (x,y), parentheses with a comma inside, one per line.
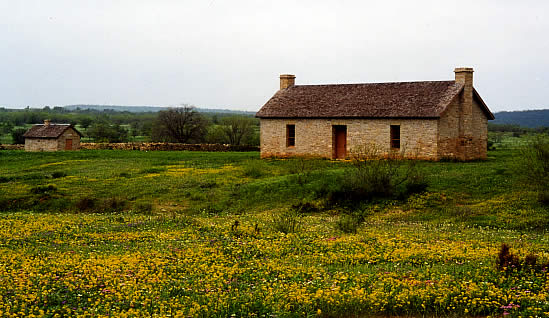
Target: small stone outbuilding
(429,120)
(52,137)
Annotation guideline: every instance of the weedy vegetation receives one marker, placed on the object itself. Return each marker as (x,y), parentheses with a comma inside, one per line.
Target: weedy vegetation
(192,234)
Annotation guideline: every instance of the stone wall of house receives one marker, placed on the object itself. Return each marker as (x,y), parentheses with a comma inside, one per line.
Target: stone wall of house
(480,133)
(314,137)
(52,144)
(40,144)
(69,134)
(449,131)
(457,141)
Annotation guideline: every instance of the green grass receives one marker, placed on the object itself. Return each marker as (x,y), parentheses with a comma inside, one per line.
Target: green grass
(221,234)
(483,193)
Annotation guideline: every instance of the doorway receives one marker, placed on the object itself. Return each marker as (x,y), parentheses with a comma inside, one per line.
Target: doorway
(339,141)
(68,144)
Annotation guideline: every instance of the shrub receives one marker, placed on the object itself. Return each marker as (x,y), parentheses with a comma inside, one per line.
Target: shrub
(212,208)
(298,165)
(86,204)
(349,223)
(490,145)
(58,174)
(543,197)
(376,177)
(143,207)
(153,170)
(287,221)
(234,229)
(5,179)
(254,168)
(50,188)
(305,207)
(416,184)
(530,260)
(506,259)
(112,204)
(460,211)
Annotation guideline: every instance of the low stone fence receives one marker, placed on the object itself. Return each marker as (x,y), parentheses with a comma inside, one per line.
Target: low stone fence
(150,146)
(11,147)
(164,146)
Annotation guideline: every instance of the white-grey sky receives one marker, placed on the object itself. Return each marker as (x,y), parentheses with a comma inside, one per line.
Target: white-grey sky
(229,53)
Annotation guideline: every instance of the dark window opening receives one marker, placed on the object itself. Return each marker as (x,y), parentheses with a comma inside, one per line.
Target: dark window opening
(395,136)
(290,135)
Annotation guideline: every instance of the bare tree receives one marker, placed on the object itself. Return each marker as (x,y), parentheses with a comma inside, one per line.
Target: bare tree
(237,129)
(180,124)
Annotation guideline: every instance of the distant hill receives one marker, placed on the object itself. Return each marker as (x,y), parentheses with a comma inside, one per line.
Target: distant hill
(153,109)
(525,118)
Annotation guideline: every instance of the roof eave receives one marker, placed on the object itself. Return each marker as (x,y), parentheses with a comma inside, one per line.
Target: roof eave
(485,108)
(348,117)
(35,137)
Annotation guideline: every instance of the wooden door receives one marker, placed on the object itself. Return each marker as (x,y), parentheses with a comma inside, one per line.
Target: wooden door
(340,140)
(68,144)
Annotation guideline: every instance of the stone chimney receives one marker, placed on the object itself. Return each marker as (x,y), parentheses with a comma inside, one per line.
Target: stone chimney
(464,75)
(287,80)
(46,122)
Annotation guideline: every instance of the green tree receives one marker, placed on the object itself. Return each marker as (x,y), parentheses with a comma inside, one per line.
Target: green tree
(216,135)
(182,124)
(17,136)
(104,132)
(6,128)
(237,129)
(85,122)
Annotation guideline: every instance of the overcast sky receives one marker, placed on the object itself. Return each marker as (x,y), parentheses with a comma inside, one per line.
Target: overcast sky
(229,54)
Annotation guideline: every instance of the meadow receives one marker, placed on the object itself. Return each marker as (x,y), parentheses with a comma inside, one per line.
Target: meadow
(194,234)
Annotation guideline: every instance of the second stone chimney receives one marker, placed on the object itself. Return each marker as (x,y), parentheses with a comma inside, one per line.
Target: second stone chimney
(46,122)
(464,75)
(287,80)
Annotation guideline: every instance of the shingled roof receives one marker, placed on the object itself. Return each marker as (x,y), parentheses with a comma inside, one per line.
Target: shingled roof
(48,131)
(376,100)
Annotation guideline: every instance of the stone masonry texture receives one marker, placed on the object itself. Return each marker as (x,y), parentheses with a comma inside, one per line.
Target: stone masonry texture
(53,144)
(456,128)
(433,139)
(314,137)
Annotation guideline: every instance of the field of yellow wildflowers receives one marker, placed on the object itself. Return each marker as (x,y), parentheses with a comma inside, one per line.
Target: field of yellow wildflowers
(130,234)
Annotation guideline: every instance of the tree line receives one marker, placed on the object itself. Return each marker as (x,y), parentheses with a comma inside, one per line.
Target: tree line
(184,124)
(517,130)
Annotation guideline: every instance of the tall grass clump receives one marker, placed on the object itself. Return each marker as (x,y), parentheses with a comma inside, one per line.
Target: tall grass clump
(287,221)
(254,168)
(349,223)
(376,176)
(533,165)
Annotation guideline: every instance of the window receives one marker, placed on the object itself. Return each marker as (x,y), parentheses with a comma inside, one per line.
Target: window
(290,135)
(395,136)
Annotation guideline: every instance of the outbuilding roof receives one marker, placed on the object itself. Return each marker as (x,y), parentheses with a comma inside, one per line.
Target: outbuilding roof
(48,131)
(375,100)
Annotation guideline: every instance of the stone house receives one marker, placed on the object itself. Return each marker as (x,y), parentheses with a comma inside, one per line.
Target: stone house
(428,120)
(52,137)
